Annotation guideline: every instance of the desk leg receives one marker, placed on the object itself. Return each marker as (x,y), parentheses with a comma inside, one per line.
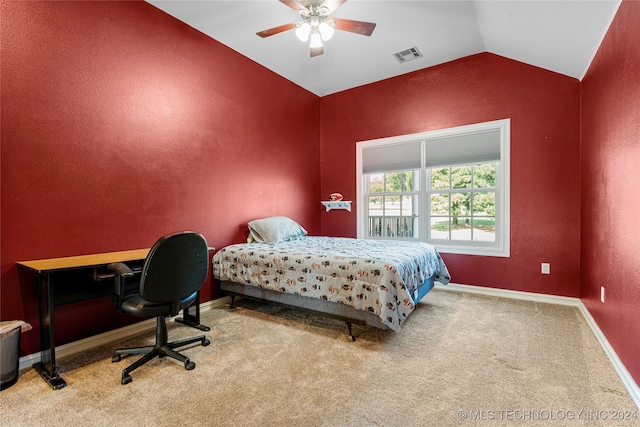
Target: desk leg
(47,365)
(191,315)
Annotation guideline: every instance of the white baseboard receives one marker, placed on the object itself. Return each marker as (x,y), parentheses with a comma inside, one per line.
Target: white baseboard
(505,293)
(623,373)
(119,334)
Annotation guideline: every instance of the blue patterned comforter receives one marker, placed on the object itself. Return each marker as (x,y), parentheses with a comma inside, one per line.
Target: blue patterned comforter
(380,276)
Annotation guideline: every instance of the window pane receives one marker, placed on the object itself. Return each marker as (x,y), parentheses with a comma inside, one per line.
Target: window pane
(376,183)
(393,182)
(440,228)
(393,226)
(460,204)
(461,177)
(411,226)
(408,181)
(406,226)
(408,205)
(440,178)
(439,204)
(484,175)
(461,228)
(375,206)
(484,229)
(484,204)
(392,205)
(376,225)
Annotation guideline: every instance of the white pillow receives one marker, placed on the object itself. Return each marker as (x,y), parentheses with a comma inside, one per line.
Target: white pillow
(274,229)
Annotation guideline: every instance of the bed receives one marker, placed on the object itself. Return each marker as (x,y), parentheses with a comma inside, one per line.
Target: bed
(364,281)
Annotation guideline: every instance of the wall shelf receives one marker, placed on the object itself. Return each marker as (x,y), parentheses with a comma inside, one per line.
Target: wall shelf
(337,205)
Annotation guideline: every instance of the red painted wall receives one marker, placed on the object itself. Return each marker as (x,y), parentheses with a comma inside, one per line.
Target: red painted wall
(121,124)
(611,186)
(544,108)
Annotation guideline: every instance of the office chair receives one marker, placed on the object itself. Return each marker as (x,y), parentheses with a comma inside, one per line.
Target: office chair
(173,272)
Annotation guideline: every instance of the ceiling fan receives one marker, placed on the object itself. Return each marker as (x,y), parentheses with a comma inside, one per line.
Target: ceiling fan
(316,25)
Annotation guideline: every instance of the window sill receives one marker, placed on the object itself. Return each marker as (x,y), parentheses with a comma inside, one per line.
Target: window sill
(466,250)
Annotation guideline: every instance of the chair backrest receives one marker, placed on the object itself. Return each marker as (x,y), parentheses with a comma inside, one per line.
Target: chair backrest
(176,267)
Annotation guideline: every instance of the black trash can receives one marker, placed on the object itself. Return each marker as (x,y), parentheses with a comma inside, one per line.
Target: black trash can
(10,351)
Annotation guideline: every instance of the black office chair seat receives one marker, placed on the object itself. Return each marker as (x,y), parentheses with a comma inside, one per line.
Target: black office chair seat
(175,269)
(138,306)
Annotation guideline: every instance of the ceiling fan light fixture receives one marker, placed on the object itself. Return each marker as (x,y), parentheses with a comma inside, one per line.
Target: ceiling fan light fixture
(302,32)
(316,25)
(316,40)
(326,31)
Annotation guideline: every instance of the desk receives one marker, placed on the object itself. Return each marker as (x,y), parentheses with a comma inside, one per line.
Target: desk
(95,265)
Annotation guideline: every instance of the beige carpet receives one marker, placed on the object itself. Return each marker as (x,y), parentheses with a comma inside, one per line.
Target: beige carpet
(460,359)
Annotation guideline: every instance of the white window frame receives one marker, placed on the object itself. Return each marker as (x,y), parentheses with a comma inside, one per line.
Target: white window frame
(502,248)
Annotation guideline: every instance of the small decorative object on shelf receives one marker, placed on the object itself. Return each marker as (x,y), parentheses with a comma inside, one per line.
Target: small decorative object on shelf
(336,202)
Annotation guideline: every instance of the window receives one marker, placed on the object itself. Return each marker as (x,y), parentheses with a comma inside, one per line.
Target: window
(449,188)
(393,204)
(462,203)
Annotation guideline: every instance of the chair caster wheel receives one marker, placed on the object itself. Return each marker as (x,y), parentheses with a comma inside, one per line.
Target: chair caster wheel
(126,379)
(205,342)
(116,358)
(189,365)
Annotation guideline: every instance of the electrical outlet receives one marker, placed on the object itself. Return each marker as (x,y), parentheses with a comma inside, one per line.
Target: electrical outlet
(545,268)
(602,294)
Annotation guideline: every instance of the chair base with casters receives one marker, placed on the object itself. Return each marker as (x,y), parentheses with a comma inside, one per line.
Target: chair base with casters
(162,348)
(174,271)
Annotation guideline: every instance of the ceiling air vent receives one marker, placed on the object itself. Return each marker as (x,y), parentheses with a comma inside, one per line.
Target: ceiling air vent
(407,55)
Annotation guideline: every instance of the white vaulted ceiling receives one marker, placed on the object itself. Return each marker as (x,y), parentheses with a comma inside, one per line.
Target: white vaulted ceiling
(558,35)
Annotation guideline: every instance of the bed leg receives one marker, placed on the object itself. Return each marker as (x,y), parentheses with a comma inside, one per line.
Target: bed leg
(232,304)
(351,336)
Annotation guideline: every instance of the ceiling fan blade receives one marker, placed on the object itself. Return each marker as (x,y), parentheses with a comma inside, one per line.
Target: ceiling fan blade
(315,51)
(276,30)
(358,27)
(332,5)
(293,4)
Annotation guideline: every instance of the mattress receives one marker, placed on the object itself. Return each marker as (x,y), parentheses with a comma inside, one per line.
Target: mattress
(378,276)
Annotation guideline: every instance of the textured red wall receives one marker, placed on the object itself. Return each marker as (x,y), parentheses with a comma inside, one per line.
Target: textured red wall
(544,108)
(611,186)
(121,124)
